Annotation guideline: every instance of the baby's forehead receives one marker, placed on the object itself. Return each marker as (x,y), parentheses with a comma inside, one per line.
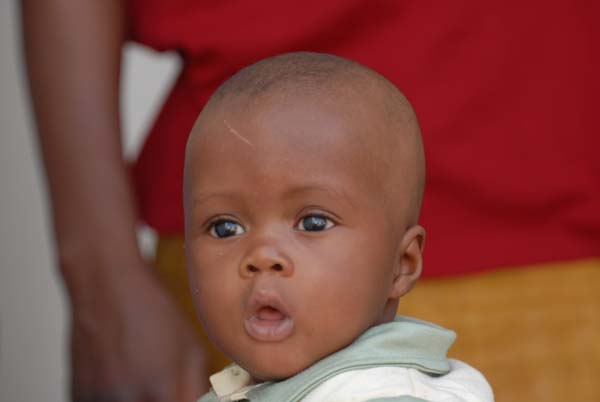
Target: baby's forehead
(284,123)
(297,103)
(319,143)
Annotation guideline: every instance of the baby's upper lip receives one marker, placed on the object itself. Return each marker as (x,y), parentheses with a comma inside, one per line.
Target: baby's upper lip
(266,298)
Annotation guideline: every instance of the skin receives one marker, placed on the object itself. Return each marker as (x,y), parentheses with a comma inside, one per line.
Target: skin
(72,51)
(266,164)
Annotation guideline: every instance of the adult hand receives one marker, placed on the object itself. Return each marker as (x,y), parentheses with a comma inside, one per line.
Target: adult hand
(133,345)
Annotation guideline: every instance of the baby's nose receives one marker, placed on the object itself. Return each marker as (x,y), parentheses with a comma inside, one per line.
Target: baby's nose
(266,258)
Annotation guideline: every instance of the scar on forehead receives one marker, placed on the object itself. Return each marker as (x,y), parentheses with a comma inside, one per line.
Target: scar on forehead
(237,134)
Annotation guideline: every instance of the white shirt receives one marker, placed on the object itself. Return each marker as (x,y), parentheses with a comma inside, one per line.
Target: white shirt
(462,384)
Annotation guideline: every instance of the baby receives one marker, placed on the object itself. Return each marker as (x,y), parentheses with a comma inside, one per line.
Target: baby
(304,176)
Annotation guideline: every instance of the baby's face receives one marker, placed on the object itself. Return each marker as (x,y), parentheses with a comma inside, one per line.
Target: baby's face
(290,248)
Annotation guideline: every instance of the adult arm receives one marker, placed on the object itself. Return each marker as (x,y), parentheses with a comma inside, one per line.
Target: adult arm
(128,342)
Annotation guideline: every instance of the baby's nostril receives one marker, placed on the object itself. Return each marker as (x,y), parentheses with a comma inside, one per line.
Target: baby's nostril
(277,267)
(252,268)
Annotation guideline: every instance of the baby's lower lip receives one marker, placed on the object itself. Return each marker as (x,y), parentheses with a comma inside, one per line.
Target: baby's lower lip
(269,325)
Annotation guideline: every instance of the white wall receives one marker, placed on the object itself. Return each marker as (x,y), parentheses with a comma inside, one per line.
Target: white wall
(33,310)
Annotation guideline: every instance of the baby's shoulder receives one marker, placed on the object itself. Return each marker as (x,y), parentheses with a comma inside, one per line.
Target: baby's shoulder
(462,383)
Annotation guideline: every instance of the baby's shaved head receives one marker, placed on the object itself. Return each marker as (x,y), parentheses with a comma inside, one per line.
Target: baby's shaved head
(303,69)
(392,148)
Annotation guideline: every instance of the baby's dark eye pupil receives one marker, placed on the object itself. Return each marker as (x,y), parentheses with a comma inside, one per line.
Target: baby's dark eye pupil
(314,223)
(225,228)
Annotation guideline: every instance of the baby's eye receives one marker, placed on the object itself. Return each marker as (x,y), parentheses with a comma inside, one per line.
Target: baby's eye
(315,223)
(226,228)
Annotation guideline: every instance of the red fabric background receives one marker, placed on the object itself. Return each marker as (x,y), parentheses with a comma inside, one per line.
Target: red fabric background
(506,93)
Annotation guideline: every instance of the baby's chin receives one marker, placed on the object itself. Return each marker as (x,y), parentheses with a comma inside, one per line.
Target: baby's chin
(275,366)
(270,372)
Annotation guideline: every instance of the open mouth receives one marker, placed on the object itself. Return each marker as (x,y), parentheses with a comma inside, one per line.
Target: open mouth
(269,321)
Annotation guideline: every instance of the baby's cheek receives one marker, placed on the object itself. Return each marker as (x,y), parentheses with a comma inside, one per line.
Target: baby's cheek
(211,308)
(204,288)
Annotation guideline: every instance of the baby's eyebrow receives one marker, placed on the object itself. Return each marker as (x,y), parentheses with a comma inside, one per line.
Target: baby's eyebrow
(205,197)
(331,191)
(293,192)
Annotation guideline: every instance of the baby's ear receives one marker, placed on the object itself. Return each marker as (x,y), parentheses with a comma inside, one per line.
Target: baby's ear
(410,261)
